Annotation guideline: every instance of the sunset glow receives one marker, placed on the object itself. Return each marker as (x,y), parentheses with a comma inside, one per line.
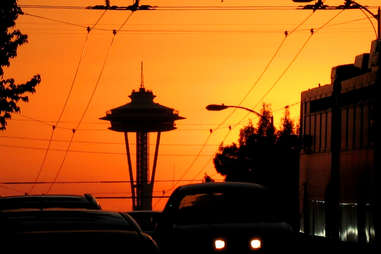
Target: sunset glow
(223,52)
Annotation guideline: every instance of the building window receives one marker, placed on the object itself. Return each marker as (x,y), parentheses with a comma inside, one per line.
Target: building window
(349,227)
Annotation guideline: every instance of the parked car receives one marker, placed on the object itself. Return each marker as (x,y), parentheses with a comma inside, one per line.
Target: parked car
(222,218)
(147,219)
(73,230)
(86,201)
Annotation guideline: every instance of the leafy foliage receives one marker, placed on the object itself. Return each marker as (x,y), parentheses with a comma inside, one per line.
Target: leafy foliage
(261,153)
(267,157)
(10,40)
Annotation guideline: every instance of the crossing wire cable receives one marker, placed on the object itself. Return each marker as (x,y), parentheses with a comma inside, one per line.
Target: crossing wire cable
(178,30)
(266,67)
(96,142)
(93,152)
(313,31)
(89,101)
(370,21)
(54,20)
(247,94)
(250,90)
(66,100)
(296,56)
(291,62)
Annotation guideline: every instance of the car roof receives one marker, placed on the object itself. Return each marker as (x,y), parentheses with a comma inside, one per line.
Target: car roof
(86,201)
(143,212)
(220,186)
(65,219)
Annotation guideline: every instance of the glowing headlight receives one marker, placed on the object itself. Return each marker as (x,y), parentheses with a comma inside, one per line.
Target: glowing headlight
(256,243)
(219,244)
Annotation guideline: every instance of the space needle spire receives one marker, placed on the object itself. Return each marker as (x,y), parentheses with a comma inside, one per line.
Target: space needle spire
(142,116)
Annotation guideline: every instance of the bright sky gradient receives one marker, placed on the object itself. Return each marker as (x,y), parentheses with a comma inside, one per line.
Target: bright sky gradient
(191,59)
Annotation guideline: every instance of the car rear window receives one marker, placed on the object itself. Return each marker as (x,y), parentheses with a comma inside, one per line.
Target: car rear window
(225,206)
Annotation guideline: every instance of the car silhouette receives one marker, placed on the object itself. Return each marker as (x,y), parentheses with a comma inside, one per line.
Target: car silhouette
(86,201)
(72,230)
(222,218)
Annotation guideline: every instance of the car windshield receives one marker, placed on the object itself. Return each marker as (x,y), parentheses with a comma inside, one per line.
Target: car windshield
(225,207)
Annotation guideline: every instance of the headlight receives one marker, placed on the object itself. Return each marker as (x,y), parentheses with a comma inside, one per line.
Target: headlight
(256,243)
(219,244)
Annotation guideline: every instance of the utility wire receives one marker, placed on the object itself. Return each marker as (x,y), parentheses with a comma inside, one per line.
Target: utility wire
(286,33)
(173,7)
(96,142)
(54,20)
(296,56)
(313,31)
(370,21)
(181,30)
(286,69)
(66,100)
(91,182)
(179,7)
(89,152)
(89,101)
(254,85)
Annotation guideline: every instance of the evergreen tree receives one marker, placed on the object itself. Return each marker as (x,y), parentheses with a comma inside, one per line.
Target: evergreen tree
(247,160)
(10,39)
(267,157)
(288,126)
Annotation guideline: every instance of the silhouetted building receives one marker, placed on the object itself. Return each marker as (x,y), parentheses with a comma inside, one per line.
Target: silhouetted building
(142,116)
(337,162)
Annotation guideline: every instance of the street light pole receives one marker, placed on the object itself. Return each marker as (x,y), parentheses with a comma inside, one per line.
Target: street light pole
(219,107)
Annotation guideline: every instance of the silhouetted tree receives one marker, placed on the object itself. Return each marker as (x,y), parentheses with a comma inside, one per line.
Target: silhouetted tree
(288,126)
(245,161)
(265,125)
(265,156)
(10,40)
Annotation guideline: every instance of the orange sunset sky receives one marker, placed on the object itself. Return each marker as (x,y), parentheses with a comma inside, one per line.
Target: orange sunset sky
(192,58)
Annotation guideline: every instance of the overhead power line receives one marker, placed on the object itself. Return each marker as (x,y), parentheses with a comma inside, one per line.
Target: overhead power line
(94,142)
(168,7)
(66,100)
(90,182)
(66,151)
(176,7)
(90,99)
(313,31)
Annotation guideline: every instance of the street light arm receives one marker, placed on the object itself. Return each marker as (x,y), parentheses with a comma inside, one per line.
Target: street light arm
(218,107)
(248,109)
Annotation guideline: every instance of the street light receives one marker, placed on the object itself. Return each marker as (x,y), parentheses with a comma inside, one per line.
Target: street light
(219,107)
